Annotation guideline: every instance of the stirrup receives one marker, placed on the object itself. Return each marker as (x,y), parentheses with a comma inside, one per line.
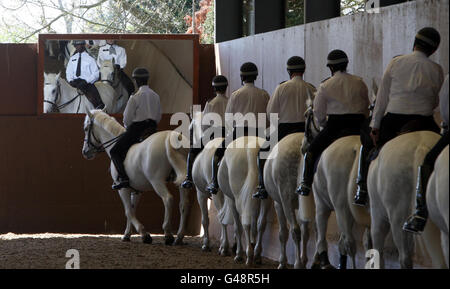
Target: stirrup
(187,184)
(303,189)
(212,188)
(122,183)
(261,193)
(361,197)
(415,224)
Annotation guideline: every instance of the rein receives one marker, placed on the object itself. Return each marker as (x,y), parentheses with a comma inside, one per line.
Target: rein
(103,146)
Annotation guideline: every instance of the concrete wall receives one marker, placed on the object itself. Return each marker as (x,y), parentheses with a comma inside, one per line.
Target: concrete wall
(370,40)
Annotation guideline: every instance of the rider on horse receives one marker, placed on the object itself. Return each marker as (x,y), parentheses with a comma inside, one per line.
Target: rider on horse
(289,102)
(216,105)
(112,51)
(416,223)
(406,99)
(82,72)
(248,99)
(344,99)
(142,114)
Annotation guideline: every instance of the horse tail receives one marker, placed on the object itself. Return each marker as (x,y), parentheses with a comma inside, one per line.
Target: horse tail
(224,215)
(176,154)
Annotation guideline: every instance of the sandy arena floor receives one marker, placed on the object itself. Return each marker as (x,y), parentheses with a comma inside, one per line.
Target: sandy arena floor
(48,251)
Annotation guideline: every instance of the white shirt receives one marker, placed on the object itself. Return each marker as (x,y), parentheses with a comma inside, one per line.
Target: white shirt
(443,101)
(247,99)
(120,55)
(89,69)
(142,105)
(289,100)
(343,93)
(217,105)
(410,85)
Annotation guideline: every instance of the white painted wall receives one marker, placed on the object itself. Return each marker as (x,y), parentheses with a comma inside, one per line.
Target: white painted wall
(370,40)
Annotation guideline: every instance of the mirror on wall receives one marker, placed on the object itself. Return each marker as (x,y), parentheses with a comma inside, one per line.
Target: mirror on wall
(105,72)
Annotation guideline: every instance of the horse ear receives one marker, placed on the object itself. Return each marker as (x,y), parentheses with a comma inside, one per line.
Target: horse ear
(45,77)
(89,114)
(104,110)
(58,75)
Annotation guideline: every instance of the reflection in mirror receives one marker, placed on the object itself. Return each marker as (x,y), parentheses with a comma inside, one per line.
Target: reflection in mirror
(103,76)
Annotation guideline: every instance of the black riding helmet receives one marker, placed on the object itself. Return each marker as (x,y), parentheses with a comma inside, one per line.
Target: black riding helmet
(295,64)
(249,71)
(220,83)
(428,39)
(141,75)
(337,60)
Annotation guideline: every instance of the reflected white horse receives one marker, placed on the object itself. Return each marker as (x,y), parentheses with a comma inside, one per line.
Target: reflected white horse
(280,177)
(391,184)
(149,165)
(110,74)
(60,96)
(437,199)
(238,178)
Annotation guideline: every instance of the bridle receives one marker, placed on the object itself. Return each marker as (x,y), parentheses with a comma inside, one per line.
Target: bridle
(57,107)
(103,146)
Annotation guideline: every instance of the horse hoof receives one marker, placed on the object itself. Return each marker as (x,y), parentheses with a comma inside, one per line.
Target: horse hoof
(224,252)
(315,266)
(169,240)
(178,242)
(257,260)
(126,239)
(327,267)
(238,260)
(147,239)
(299,266)
(206,248)
(282,266)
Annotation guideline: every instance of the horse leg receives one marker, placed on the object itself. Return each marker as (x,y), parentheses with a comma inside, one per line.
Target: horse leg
(167,199)
(238,233)
(379,231)
(444,243)
(262,222)
(345,222)
(322,215)
(130,212)
(185,208)
(203,203)
(224,245)
(282,235)
(295,231)
(404,242)
(135,197)
(304,239)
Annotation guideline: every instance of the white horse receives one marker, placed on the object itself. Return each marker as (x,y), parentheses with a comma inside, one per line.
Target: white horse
(110,74)
(149,165)
(437,199)
(201,175)
(60,96)
(334,189)
(280,178)
(238,178)
(391,184)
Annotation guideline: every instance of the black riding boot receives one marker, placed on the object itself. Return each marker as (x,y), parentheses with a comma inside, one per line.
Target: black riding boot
(122,179)
(416,222)
(361,193)
(308,173)
(93,96)
(187,184)
(214,185)
(261,192)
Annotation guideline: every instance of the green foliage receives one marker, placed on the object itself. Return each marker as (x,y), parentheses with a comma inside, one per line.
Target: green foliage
(295,12)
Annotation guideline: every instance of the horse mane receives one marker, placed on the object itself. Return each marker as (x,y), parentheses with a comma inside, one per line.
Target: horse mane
(109,123)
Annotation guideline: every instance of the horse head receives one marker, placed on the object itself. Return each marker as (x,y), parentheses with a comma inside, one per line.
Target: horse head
(109,72)
(52,92)
(92,145)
